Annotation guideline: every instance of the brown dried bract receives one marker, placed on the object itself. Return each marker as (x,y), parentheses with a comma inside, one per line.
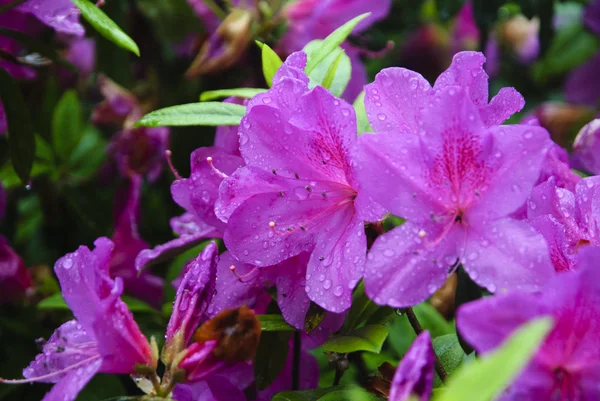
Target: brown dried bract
(237,331)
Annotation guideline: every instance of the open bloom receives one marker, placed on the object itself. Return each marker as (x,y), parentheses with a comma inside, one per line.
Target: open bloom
(567,365)
(586,148)
(298,190)
(567,220)
(440,160)
(103,338)
(414,376)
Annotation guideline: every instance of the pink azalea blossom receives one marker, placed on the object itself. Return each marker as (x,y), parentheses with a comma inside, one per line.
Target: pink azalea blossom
(298,192)
(103,338)
(440,160)
(567,365)
(568,220)
(586,148)
(413,379)
(15,280)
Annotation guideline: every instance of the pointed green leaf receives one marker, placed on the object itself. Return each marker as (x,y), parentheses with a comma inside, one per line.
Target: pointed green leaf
(21,139)
(246,93)
(362,121)
(367,338)
(333,72)
(207,113)
(331,42)
(105,26)
(270,62)
(55,301)
(486,378)
(67,126)
(274,323)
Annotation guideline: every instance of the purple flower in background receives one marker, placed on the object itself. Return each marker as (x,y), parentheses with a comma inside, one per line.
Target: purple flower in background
(439,160)
(298,191)
(583,84)
(15,280)
(128,244)
(586,148)
(308,20)
(568,220)
(81,52)
(3,201)
(414,376)
(194,294)
(103,338)
(567,365)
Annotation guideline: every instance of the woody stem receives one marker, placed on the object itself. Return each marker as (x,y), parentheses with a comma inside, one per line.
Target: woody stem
(414,322)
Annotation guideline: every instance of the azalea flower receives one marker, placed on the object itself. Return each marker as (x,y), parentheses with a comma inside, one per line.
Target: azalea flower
(298,191)
(103,338)
(567,220)
(566,366)
(440,160)
(15,280)
(586,148)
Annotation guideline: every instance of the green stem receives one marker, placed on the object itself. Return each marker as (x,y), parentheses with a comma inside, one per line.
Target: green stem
(414,322)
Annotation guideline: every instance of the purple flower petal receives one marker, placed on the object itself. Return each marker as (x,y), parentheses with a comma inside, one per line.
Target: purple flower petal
(194,294)
(591,16)
(61,15)
(414,376)
(586,148)
(3,123)
(69,387)
(401,271)
(386,110)
(69,345)
(582,85)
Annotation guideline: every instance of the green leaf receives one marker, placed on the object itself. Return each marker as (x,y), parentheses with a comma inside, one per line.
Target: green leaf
(207,113)
(21,139)
(367,338)
(105,26)
(274,323)
(362,308)
(270,62)
(335,393)
(331,42)
(271,356)
(55,301)
(449,352)
(246,93)
(486,378)
(572,46)
(362,121)
(66,125)
(432,321)
(89,154)
(333,72)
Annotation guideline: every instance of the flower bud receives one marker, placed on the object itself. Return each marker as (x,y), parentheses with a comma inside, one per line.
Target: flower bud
(224,47)
(193,297)
(586,148)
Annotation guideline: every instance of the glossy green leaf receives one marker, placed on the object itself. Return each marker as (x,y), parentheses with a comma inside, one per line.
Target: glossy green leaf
(331,42)
(274,323)
(21,139)
(270,62)
(105,26)
(367,338)
(432,321)
(89,154)
(246,93)
(486,378)
(207,113)
(67,125)
(449,352)
(362,307)
(333,72)
(55,301)
(271,356)
(362,121)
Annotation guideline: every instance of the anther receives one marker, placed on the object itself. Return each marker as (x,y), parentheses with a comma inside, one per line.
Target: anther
(221,174)
(422,233)
(297,176)
(168,155)
(274,171)
(243,276)
(324,194)
(272,224)
(280,193)
(308,188)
